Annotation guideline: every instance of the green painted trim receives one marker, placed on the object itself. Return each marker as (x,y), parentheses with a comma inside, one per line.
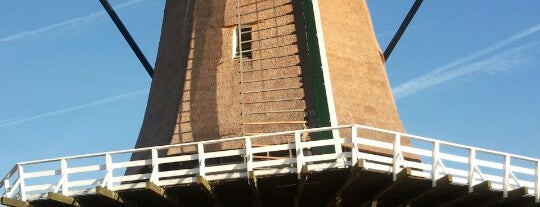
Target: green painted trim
(315,67)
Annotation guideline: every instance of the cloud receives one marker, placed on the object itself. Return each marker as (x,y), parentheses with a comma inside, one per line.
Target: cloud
(14,121)
(457,68)
(74,21)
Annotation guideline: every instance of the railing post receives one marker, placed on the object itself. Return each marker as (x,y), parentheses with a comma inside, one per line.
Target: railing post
(7,186)
(537,182)
(155,166)
(435,164)
(22,185)
(299,153)
(107,181)
(200,153)
(506,176)
(396,147)
(354,148)
(64,178)
(472,160)
(249,156)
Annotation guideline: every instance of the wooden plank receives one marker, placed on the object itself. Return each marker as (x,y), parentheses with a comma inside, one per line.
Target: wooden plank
(62,199)
(109,195)
(13,202)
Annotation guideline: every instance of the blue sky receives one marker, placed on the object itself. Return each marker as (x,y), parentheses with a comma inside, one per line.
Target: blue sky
(465,72)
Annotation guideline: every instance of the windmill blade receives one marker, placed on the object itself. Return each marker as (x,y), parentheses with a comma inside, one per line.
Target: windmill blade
(128,37)
(402,29)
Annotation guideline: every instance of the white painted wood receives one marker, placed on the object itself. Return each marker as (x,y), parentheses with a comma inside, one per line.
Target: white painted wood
(21,183)
(226,153)
(374,143)
(43,187)
(107,181)
(126,178)
(181,158)
(89,182)
(225,168)
(416,151)
(184,172)
(177,181)
(248,155)
(226,176)
(326,74)
(272,148)
(273,163)
(325,157)
(319,143)
(202,164)
(505,177)
(537,181)
(155,166)
(83,169)
(135,163)
(44,173)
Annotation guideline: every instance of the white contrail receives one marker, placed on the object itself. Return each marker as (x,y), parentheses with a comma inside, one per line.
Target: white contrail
(10,122)
(418,83)
(64,23)
(499,62)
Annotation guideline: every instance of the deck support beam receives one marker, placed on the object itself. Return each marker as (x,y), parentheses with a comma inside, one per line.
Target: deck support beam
(256,196)
(404,180)
(304,175)
(430,197)
(162,193)
(62,199)
(205,186)
(353,175)
(513,196)
(110,196)
(14,202)
(478,189)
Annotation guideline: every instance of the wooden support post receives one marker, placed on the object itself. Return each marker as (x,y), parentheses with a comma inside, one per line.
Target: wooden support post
(304,175)
(62,199)
(13,202)
(110,195)
(353,175)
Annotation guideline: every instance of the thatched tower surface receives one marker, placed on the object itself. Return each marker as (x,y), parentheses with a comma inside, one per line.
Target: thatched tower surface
(362,93)
(231,68)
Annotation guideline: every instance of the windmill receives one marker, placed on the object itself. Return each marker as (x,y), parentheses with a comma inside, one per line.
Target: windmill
(256,91)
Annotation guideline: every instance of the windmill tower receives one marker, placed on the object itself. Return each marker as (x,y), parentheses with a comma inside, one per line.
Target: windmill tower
(244,67)
(231,68)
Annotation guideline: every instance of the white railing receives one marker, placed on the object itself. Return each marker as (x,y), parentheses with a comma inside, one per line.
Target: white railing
(81,174)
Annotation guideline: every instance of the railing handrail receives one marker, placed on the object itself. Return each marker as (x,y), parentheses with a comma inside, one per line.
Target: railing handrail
(182,144)
(450,144)
(507,179)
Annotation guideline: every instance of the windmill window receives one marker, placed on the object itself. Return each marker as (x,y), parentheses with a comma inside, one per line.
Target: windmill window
(242,42)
